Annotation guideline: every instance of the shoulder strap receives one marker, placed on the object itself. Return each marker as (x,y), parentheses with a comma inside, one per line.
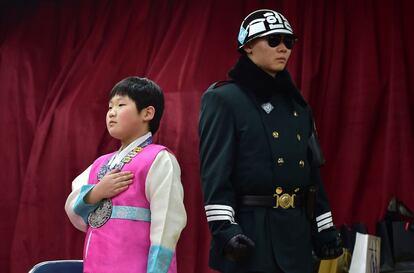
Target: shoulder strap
(220,83)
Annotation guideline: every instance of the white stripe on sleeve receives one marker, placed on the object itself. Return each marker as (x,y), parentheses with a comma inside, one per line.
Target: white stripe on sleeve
(323,216)
(330,224)
(219,213)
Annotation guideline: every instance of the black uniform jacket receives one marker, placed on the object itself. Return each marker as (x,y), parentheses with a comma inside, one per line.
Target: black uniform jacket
(254,133)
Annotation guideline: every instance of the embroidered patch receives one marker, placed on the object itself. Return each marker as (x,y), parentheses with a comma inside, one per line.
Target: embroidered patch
(101,214)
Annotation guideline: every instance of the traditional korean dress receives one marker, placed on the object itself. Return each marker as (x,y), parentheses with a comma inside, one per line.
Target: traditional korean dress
(137,230)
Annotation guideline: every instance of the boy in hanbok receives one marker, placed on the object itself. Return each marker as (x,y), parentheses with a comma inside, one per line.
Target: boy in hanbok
(130,202)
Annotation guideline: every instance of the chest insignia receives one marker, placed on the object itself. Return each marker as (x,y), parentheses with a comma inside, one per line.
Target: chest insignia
(267,107)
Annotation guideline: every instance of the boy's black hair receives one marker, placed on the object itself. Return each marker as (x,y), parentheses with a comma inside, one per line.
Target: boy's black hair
(144,93)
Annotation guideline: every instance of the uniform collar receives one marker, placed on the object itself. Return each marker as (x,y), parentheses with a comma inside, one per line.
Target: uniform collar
(261,84)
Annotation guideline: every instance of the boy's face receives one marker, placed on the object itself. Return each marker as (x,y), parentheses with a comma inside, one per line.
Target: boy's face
(123,120)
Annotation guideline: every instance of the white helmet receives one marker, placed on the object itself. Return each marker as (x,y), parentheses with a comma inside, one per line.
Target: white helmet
(261,23)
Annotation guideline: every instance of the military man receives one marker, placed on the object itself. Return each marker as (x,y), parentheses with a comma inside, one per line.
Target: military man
(264,199)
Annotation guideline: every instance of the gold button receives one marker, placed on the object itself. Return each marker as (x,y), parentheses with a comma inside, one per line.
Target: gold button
(295,114)
(275,134)
(279,190)
(301,163)
(280,161)
(298,137)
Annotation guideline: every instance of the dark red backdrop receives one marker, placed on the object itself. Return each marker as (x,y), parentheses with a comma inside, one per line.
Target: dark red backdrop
(59,59)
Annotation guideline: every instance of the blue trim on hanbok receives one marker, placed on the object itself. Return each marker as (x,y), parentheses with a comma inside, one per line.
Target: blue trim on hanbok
(80,207)
(131,213)
(159,259)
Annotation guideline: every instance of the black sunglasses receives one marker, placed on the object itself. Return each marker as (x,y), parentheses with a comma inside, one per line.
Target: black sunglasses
(287,39)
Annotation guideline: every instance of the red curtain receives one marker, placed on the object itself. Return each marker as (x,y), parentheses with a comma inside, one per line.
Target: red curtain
(59,59)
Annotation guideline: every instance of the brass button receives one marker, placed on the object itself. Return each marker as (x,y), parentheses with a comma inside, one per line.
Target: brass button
(279,190)
(298,137)
(275,134)
(301,163)
(295,114)
(280,161)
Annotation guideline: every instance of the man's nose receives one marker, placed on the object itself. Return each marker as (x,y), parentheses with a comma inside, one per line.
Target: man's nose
(282,47)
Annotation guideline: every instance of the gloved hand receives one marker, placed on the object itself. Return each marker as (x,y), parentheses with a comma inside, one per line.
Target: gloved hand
(328,244)
(238,247)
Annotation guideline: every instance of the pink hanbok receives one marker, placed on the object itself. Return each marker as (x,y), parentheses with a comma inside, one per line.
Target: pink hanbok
(126,242)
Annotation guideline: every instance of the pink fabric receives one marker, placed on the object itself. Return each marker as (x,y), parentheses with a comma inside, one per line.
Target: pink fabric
(122,245)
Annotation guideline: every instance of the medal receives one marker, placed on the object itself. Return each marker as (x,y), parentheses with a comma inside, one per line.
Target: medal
(101,214)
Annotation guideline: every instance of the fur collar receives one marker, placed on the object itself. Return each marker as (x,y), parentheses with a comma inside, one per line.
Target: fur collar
(261,84)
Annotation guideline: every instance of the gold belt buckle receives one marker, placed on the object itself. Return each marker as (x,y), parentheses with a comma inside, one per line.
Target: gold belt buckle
(285,200)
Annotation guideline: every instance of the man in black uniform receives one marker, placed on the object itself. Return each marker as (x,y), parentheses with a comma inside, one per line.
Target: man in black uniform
(260,161)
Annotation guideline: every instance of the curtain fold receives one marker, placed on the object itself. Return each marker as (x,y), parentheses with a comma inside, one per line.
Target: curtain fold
(59,60)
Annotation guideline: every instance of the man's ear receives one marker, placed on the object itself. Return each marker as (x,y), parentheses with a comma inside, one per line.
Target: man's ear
(248,48)
(149,113)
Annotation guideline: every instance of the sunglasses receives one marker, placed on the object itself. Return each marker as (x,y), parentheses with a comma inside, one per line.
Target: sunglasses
(275,39)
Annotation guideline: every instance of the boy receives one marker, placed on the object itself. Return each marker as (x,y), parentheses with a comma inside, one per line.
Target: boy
(130,203)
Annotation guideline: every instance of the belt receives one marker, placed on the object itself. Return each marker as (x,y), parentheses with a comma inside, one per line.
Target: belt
(106,211)
(280,199)
(131,213)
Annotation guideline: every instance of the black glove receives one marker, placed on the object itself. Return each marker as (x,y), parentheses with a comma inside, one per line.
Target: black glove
(238,247)
(328,245)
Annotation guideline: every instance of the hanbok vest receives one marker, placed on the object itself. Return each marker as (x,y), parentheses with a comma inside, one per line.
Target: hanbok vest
(122,245)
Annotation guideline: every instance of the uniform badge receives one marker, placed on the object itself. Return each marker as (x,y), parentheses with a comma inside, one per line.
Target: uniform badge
(267,107)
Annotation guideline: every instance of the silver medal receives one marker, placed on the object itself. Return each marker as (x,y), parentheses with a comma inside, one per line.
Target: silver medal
(101,214)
